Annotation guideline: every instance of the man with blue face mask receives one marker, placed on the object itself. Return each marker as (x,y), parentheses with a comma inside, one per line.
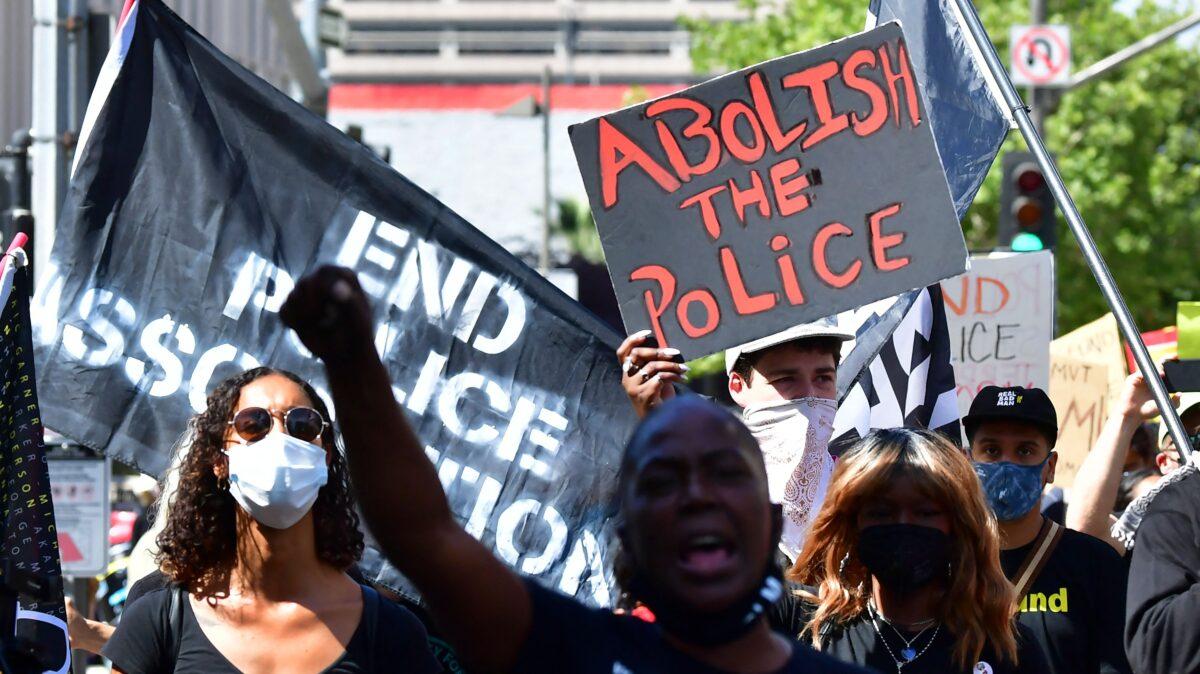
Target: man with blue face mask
(1070,586)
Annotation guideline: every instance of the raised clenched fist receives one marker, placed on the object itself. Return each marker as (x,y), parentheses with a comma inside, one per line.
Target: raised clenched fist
(331,315)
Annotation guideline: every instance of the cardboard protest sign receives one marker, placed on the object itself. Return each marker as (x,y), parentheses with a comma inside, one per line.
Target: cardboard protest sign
(1187,320)
(1001,320)
(200,196)
(1162,345)
(1079,391)
(791,190)
(1098,343)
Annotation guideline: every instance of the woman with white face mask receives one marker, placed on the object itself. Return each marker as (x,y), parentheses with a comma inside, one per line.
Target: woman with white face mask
(258,540)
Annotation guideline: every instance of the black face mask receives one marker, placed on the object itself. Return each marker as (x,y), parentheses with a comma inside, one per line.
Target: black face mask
(904,557)
(685,624)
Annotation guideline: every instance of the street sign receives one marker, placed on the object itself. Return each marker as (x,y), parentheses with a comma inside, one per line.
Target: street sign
(1040,55)
(332,29)
(79,487)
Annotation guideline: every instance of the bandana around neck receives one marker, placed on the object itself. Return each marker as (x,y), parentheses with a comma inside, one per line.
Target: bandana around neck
(794,438)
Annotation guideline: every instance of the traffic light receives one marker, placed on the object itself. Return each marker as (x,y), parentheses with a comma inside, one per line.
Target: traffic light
(1027,217)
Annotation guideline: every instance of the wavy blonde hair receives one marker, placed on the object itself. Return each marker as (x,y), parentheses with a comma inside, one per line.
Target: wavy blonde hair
(979,604)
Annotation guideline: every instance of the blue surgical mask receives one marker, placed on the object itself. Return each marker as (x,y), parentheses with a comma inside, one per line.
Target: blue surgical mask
(1012,489)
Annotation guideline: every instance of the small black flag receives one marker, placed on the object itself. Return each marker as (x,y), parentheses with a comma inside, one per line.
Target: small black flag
(29,568)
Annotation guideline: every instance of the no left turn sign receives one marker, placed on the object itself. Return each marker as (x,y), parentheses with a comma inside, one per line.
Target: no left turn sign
(1040,55)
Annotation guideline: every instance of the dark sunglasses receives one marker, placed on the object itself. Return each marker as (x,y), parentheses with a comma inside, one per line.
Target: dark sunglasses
(254,423)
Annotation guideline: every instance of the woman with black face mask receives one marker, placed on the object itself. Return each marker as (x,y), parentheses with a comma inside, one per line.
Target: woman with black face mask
(697,526)
(901,570)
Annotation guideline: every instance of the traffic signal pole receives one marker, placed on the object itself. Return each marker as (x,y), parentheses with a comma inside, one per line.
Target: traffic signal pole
(1129,329)
(1116,59)
(1037,113)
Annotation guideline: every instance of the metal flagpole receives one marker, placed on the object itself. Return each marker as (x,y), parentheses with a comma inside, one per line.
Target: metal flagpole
(1095,262)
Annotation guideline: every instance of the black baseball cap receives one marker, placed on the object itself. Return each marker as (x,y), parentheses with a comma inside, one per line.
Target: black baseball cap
(1013,403)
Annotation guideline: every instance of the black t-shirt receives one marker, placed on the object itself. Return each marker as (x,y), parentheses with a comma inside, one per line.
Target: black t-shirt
(1075,607)
(144,642)
(859,642)
(569,637)
(155,580)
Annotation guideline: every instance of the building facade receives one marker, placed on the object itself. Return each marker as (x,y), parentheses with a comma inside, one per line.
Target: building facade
(584,41)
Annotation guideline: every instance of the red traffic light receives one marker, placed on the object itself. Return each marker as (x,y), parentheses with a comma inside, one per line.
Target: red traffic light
(1027,212)
(1029,178)
(1027,219)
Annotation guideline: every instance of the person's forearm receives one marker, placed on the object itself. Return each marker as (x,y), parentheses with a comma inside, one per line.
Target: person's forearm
(396,485)
(1094,493)
(92,637)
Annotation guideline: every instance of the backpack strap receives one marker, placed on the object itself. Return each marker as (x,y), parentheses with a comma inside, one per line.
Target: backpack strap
(1039,554)
(370,616)
(175,598)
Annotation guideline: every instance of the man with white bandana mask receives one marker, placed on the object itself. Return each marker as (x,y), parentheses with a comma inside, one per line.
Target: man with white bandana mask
(786,385)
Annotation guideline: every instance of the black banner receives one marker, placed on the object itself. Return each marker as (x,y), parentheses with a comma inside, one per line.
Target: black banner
(30,567)
(202,194)
(782,193)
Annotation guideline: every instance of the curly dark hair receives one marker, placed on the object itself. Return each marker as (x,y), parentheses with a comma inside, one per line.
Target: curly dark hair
(198,545)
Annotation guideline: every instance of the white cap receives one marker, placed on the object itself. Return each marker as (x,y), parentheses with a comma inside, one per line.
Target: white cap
(1186,402)
(825,327)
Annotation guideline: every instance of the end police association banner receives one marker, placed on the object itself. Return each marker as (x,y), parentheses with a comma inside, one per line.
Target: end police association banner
(781,193)
(201,194)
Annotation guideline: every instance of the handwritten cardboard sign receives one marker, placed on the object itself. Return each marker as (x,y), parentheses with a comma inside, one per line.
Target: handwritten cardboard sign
(1098,342)
(771,196)
(1079,391)
(1001,319)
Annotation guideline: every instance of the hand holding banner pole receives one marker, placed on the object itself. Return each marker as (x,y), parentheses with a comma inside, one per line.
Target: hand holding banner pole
(1079,229)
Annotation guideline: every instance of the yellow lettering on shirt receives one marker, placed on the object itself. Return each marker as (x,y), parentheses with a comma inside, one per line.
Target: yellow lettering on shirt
(1039,602)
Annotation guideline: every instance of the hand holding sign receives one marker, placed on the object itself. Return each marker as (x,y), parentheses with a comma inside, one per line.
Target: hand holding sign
(769,197)
(647,372)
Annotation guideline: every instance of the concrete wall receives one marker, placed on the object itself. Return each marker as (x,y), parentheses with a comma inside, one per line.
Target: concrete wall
(484,166)
(16,52)
(241,28)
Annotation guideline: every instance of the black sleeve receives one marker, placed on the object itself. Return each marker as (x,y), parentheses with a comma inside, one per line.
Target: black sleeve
(401,641)
(155,580)
(1110,618)
(791,613)
(1161,632)
(560,631)
(138,646)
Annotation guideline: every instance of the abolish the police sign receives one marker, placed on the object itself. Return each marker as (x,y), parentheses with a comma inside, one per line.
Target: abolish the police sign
(202,194)
(777,194)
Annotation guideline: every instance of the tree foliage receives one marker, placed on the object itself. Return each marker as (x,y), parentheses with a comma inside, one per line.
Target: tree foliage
(1128,145)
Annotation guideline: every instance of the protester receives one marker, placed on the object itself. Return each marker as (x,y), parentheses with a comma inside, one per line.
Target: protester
(1169,459)
(901,567)
(1094,495)
(1067,583)
(786,385)
(1135,485)
(1161,632)
(1143,449)
(259,536)
(697,529)
(86,634)
(143,559)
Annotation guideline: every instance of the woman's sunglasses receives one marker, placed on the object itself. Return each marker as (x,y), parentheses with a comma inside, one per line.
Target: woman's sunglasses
(254,423)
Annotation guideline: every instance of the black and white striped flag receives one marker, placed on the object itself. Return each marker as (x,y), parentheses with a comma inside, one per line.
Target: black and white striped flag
(897,371)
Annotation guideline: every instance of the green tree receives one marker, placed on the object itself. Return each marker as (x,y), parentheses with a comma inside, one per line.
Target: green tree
(576,225)
(1128,145)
